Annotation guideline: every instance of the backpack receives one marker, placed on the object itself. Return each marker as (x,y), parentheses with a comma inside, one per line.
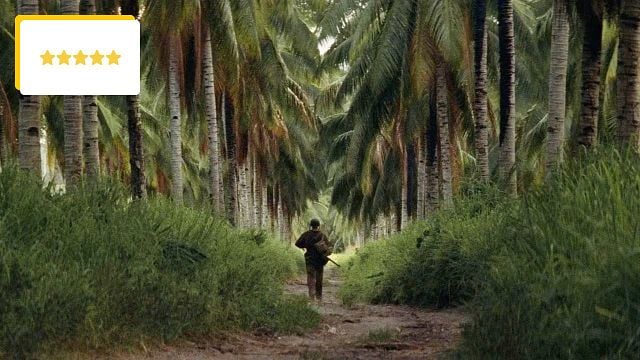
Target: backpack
(323,246)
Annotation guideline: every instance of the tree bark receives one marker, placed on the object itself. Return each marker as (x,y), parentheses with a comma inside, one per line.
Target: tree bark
(243,198)
(3,142)
(134,126)
(90,131)
(628,81)
(232,183)
(90,121)
(480,103)
(507,96)
(136,150)
(215,177)
(404,197)
(72,120)
(591,69)
(443,135)
(29,115)
(175,127)
(557,85)
(422,178)
(433,186)
(280,212)
(265,206)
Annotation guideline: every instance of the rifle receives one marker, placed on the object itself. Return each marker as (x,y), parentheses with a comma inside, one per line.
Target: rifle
(328,258)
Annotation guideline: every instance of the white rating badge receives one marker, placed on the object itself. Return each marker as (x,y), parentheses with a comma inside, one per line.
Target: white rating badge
(77,55)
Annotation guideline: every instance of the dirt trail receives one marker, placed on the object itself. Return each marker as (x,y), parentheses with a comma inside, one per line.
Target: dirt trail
(358,332)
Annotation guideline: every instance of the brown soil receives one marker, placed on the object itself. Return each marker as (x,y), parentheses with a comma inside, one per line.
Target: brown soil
(357,332)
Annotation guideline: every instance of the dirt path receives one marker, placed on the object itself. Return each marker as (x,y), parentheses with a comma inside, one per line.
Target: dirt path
(359,332)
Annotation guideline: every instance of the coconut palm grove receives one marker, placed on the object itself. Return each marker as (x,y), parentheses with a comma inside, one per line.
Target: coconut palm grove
(474,165)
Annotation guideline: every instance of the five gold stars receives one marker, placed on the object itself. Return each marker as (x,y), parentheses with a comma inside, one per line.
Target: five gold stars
(80,58)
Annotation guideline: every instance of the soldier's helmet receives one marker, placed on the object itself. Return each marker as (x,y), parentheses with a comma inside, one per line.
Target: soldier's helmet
(314,223)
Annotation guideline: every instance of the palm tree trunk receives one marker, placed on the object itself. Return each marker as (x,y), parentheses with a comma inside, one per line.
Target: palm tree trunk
(175,127)
(3,142)
(90,122)
(90,130)
(480,104)
(212,116)
(422,178)
(230,146)
(255,196)
(257,190)
(628,80)
(29,115)
(72,120)
(404,196)
(244,195)
(507,96)
(134,125)
(280,214)
(265,206)
(591,69)
(433,186)
(443,135)
(557,85)
(136,151)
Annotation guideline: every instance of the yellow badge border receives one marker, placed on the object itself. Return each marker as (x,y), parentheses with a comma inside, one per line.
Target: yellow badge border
(20,18)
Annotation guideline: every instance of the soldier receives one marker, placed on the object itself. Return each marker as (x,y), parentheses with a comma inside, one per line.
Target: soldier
(316,257)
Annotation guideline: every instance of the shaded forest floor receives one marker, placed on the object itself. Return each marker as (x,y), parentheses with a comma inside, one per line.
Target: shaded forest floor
(356,332)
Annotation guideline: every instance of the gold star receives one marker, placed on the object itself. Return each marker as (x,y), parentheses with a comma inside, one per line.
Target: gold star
(47,58)
(80,58)
(64,58)
(96,58)
(113,58)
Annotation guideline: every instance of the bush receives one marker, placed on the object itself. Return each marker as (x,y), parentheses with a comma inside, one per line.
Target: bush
(554,275)
(92,268)
(432,263)
(567,282)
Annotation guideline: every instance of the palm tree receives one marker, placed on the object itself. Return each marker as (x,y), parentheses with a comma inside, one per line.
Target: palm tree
(443,134)
(592,17)
(212,116)
(72,120)
(557,85)
(507,95)
(480,106)
(134,125)
(29,115)
(628,77)
(175,124)
(90,123)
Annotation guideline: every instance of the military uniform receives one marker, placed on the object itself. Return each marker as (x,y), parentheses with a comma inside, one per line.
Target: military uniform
(314,261)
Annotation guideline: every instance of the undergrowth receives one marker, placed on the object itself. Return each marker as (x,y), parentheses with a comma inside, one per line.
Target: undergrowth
(93,268)
(553,274)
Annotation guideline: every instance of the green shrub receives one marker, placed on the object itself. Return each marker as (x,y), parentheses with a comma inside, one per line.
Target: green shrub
(92,268)
(432,263)
(567,282)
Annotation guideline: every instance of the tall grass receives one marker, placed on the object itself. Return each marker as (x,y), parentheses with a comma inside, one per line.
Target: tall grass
(434,263)
(554,274)
(92,268)
(567,282)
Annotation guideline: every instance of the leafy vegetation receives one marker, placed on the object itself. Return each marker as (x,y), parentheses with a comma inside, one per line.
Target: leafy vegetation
(90,267)
(553,275)
(434,263)
(565,284)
